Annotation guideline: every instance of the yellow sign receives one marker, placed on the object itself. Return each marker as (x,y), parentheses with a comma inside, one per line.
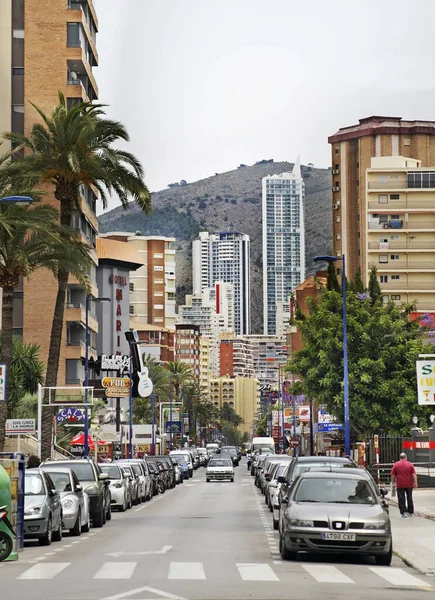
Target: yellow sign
(116,382)
(117,392)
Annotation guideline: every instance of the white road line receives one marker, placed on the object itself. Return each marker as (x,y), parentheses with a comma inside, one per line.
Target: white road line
(326,574)
(116,570)
(44,571)
(186,570)
(256,572)
(397,576)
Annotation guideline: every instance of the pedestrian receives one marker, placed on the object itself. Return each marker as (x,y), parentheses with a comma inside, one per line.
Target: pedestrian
(404,476)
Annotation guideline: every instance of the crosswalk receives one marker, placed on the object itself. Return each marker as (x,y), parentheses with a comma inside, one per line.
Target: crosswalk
(267,572)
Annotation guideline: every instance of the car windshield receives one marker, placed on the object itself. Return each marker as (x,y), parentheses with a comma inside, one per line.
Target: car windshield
(334,491)
(34,485)
(112,471)
(61,481)
(83,471)
(301,467)
(220,463)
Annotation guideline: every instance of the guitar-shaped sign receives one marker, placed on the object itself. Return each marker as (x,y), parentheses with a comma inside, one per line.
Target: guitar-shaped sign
(145,385)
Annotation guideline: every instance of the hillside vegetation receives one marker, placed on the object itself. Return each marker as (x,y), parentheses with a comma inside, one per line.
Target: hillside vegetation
(228,201)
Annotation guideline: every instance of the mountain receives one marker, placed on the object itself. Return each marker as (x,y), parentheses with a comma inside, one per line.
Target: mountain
(228,201)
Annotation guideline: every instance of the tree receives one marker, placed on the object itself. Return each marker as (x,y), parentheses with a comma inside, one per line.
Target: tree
(383,345)
(70,148)
(30,238)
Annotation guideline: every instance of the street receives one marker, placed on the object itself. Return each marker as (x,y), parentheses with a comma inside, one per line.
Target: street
(200,540)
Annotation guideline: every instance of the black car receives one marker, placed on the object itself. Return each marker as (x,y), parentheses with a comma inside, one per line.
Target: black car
(231,451)
(95,483)
(167,460)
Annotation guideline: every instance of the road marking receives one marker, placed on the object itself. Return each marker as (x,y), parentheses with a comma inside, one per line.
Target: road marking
(186,570)
(326,574)
(44,571)
(164,550)
(159,593)
(397,576)
(256,572)
(118,570)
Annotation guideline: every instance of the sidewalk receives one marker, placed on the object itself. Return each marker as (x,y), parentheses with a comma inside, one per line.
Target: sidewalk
(414,538)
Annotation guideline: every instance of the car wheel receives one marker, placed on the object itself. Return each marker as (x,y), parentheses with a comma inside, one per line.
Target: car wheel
(98,518)
(275,524)
(384,560)
(46,539)
(57,535)
(109,513)
(286,554)
(87,526)
(77,530)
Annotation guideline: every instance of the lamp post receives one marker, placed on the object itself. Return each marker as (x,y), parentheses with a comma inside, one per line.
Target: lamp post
(89,299)
(345,361)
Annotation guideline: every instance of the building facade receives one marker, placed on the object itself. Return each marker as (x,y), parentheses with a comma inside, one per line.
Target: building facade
(283,244)
(45,48)
(353,149)
(225,257)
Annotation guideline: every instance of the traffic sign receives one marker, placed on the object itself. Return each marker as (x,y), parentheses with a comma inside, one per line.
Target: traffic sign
(18,426)
(116,382)
(294,442)
(117,392)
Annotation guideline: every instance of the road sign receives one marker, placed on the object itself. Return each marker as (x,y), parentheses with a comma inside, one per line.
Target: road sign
(18,426)
(328,427)
(117,392)
(294,442)
(116,382)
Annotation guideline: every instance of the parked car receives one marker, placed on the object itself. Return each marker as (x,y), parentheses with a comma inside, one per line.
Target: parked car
(335,512)
(95,483)
(42,508)
(184,462)
(220,468)
(76,515)
(231,451)
(140,468)
(133,476)
(304,463)
(170,467)
(187,455)
(120,486)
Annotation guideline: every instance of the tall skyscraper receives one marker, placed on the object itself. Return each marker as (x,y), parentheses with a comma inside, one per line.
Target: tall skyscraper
(46,47)
(383,195)
(225,256)
(283,242)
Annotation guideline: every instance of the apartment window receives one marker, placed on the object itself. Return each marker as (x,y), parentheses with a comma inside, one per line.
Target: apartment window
(383,198)
(395,277)
(17,70)
(383,258)
(395,257)
(131,286)
(383,278)
(131,309)
(395,297)
(394,196)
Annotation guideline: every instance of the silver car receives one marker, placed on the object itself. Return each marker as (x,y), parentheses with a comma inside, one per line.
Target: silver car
(42,508)
(120,487)
(76,515)
(336,512)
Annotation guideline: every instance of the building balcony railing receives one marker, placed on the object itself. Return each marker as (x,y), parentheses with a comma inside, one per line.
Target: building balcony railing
(402,245)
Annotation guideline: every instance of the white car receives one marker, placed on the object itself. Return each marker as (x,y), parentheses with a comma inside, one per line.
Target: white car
(220,468)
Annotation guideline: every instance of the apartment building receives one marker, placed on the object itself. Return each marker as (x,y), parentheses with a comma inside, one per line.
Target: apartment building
(283,245)
(46,47)
(400,205)
(225,257)
(241,393)
(358,193)
(152,287)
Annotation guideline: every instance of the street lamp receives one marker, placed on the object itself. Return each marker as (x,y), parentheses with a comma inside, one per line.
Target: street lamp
(89,299)
(330,259)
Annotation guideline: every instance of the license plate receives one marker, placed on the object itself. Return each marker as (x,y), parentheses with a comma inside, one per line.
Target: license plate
(339,537)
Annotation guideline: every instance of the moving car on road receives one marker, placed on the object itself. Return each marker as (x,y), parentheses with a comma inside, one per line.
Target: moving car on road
(335,512)
(220,468)
(42,508)
(76,514)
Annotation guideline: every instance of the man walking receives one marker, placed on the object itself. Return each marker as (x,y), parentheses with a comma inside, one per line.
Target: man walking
(405,477)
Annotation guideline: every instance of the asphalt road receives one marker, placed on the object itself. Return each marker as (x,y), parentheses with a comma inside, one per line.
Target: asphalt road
(200,540)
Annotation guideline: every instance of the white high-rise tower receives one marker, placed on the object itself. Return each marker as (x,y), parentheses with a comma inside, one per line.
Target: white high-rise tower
(283,243)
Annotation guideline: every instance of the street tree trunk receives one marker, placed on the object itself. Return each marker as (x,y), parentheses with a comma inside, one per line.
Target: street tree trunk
(6,350)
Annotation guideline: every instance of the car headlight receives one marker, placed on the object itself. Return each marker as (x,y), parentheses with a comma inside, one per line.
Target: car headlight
(35,510)
(301,523)
(375,525)
(67,504)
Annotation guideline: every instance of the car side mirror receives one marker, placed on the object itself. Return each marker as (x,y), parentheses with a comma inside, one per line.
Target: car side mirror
(281,479)
(79,488)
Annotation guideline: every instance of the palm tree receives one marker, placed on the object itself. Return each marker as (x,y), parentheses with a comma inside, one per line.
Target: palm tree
(70,148)
(30,238)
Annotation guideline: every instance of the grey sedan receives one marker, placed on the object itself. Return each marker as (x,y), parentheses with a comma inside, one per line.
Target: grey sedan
(336,512)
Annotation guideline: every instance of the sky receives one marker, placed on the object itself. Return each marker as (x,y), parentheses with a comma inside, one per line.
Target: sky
(204,85)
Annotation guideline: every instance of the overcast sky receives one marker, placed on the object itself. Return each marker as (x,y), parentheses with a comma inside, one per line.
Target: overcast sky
(203,85)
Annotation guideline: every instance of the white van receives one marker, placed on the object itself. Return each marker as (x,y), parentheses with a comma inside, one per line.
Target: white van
(263,443)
